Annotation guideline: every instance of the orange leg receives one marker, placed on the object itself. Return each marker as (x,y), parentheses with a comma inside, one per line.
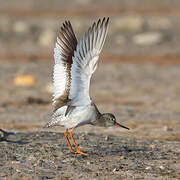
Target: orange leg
(78,151)
(66,136)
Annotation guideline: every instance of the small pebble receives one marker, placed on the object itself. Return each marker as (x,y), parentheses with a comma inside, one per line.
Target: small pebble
(107,138)
(152,146)
(161,167)
(148,168)
(1,134)
(17,170)
(115,169)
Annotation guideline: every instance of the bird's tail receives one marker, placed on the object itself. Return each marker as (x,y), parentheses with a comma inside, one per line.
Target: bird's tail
(54,121)
(51,123)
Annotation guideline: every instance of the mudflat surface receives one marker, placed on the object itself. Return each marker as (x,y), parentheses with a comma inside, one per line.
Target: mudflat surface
(144,97)
(137,80)
(45,155)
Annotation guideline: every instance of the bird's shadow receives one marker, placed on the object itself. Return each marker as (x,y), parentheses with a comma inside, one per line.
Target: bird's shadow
(95,151)
(7,134)
(122,151)
(109,153)
(105,151)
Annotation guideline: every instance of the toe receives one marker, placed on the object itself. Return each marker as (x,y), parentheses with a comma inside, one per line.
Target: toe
(82,153)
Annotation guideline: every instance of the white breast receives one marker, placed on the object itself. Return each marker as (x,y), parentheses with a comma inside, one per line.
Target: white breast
(79,116)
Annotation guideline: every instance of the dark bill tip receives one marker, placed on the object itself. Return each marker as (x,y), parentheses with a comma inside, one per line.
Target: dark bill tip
(119,125)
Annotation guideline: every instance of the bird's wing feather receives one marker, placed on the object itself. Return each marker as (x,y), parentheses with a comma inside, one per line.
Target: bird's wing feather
(85,62)
(64,50)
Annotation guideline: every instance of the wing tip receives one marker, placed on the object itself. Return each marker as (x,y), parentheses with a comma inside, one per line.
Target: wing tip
(105,21)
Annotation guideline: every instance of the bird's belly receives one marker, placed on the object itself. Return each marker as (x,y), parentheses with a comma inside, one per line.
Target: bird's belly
(79,116)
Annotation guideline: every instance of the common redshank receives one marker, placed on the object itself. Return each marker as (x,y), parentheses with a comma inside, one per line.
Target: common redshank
(74,65)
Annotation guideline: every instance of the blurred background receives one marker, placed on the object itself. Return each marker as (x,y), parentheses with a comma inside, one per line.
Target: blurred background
(138,75)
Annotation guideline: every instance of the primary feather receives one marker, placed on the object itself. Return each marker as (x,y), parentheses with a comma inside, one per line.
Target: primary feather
(64,50)
(75,63)
(85,62)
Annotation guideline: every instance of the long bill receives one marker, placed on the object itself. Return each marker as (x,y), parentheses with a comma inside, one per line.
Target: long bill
(119,125)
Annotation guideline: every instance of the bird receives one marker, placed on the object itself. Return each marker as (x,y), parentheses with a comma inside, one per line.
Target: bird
(74,64)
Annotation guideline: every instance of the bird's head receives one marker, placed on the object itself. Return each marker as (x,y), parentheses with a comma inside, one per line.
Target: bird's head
(110,120)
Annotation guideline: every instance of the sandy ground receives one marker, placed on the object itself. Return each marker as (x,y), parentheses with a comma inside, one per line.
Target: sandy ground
(44,155)
(137,80)
(144,97)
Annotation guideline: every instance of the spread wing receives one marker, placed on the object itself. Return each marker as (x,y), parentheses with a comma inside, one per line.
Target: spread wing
(85,62)
(64,50)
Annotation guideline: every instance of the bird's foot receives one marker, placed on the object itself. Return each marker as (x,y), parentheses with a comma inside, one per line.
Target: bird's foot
(72,151)
(82,153)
